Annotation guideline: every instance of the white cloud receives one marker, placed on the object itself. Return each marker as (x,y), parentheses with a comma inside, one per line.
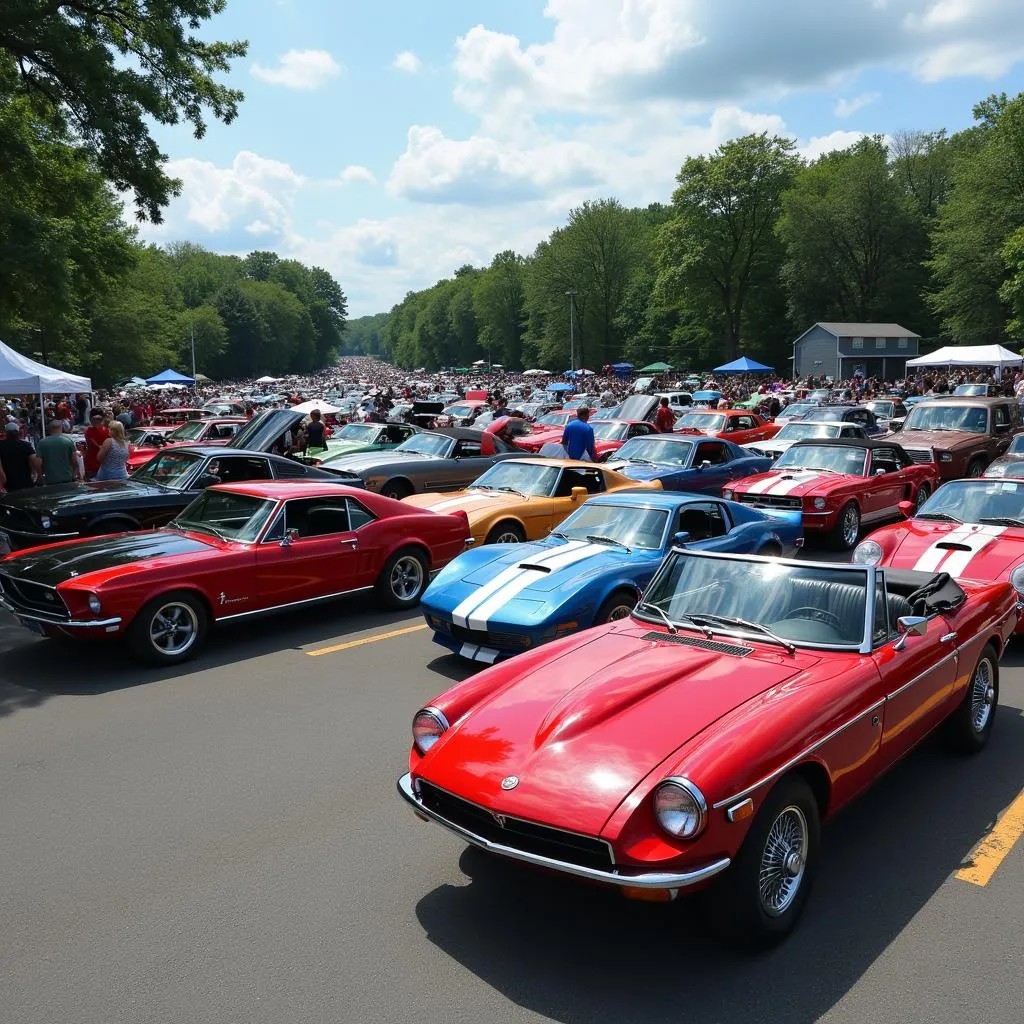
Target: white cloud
(822,144)
(408,62)
(847,108)
(300,69)
(357,173)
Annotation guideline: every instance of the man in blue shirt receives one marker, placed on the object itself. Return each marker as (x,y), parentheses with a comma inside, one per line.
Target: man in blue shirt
(578,437)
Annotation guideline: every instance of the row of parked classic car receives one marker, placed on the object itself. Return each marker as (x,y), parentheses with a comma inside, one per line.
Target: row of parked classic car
(672,703)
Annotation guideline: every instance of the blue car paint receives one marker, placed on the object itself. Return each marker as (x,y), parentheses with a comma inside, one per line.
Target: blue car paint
(690,478)
(575,593)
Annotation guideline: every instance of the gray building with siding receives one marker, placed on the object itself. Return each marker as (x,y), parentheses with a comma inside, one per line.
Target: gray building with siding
(839,350)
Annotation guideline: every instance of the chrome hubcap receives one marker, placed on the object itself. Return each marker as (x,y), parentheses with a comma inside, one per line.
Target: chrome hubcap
(851,526)
(922,496)
(508,538)
(983,696)
(783,861)
(173,629)
(406,578)
(620,611)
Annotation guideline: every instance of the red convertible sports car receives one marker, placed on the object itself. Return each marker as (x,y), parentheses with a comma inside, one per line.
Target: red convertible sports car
(238,550)
(839,483)
(700,741)
(972,529)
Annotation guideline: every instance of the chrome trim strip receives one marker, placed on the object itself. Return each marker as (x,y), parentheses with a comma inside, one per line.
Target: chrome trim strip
(437,713)
(647,880)
(62,623)
(683,783)
(799,757)
(43,536)
(290,604)
(921,675)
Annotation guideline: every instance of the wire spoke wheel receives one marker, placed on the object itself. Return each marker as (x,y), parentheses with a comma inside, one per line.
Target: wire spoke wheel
(406,578)
(922,496)
(508,537)
(851,526)
(783,861)
(620,611)
(174,628)
(982,695)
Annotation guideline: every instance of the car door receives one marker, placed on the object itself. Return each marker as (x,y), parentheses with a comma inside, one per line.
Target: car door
(1002,426)
(708,524)
(742,429)
(885,487)
(469,462)
(594,481)
(309,552)
(714,476)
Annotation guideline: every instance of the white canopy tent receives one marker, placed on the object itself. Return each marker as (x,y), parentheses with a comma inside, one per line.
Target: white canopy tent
(968,355)
(20,375)
(267,380)
(307,407)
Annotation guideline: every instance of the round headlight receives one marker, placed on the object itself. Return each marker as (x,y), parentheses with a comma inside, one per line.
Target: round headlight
(1017,579)
(680,808)
(819,503)
(945,456)
(727,494)
(868,552)
(94,604)
(427,728)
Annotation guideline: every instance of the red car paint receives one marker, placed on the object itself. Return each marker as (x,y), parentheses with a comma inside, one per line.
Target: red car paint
(604,447)
(740,427)
(138,457)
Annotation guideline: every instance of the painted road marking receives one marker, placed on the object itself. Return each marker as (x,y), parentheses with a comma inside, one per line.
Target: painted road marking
(992,850)
(366,640)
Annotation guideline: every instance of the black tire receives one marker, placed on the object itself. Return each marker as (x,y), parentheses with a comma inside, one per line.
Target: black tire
(403,579)
(507,532)
(184,625)
(770,550)
(975,468)
(969,727)
(737,908)
(397,489)
(616,606)
(924,492)
(847,527)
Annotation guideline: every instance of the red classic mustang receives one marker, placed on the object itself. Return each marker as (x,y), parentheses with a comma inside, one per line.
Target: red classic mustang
(609,436)
(734,425)
(206,432)
(701,740)
(839,483)
(237,550)
(972,529)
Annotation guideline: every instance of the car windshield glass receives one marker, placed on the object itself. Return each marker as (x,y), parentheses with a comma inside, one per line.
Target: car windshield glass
(701,421)
(637,528)
(655,449)
(520,477)
(226,514)
(187,431)
(797,411)
(971,389)
(832,412)
(883,409)
(971,501)
(137,435)
(169,469)
(809,605)
(970,418)
(609,431)
(832,458)
(357,432)
(427,444)
(1017,444)
(797,431)
(554,419)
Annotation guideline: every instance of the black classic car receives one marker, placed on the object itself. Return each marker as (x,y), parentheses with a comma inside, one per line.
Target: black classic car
(439,460)
(159,490)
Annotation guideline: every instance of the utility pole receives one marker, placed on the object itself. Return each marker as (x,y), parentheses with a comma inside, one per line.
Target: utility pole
(572,345)
(193,334)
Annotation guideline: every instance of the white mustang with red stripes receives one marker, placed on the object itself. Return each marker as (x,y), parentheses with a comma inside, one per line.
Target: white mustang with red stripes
(972,529)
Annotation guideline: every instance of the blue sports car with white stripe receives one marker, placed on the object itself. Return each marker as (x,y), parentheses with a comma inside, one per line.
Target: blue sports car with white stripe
(496,601)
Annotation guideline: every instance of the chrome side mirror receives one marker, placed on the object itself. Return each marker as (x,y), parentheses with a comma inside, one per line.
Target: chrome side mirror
(908,626)
(290,536)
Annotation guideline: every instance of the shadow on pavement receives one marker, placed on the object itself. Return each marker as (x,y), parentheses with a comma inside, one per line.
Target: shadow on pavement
(582,955)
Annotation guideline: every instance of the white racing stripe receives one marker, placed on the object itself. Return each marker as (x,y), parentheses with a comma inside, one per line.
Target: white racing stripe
(976,538)
(760,486)
(461,613)
(785,486)
(456,502)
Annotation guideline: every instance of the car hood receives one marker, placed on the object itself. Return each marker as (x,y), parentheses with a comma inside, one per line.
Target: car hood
(472,502)
(1000,464)
(57,563)
(339,448)
(641,471)
(937,438)
(970,551)
(792,482)
(66,496)
(366,461)
(584,728)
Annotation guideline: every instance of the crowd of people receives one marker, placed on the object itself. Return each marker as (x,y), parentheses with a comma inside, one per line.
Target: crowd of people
(83,437)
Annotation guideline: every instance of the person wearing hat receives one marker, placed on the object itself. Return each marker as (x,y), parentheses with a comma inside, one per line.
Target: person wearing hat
(18,462)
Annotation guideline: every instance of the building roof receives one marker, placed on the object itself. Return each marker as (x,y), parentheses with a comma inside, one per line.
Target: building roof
(867,330)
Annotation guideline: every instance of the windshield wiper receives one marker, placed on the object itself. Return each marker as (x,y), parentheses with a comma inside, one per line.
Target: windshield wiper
(1001,520)
(758,627)
(598,539)
(204,527)
(511,490)
(639,462)
(672,627)
(944,517)
(555,533)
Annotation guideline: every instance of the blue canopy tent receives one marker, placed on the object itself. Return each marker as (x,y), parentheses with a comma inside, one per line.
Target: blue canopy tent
(744,365)
(560,387)
(622,369)
(170,376)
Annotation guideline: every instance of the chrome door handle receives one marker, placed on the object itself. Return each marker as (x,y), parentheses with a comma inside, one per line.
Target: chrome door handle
(354,542)
(948,638)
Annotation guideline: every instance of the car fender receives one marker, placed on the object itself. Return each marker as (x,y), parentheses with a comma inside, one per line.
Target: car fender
(171,587)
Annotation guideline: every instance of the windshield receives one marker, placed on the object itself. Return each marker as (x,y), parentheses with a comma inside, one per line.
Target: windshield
(636,528)
(462,411)
(227,514)
(832,458)
(883,409)
(556,419)
(820,394)
(808,606)
(187,431)
(169,469)
(655,449)
(609,431)
(970,418)
(137,435)
(972,501)
(701,421)
(1016,444)
(833,412)
(521,477)
(797,431)
(427,444)
(357,432)
(971,389)
(797,411)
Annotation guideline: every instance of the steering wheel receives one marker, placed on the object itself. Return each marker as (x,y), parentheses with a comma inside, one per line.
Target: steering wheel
(817,614)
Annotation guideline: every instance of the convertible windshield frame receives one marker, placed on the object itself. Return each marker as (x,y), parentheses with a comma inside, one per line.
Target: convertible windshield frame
(869,573)
(667,443)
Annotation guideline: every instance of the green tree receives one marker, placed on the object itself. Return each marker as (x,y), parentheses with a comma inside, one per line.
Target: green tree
(499,299)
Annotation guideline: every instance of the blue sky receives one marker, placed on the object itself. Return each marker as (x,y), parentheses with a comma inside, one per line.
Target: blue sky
(393,141)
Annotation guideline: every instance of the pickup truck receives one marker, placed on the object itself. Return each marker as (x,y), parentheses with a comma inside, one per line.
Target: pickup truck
(961,435)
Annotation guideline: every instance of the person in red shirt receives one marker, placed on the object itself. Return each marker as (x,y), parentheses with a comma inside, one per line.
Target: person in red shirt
(95,434)
(664,419)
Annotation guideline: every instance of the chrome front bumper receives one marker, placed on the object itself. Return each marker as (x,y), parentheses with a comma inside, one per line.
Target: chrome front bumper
(643,880)
(59,623)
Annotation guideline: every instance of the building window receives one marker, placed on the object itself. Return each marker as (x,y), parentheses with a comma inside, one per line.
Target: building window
(903,342)
(856,342)
(880,343)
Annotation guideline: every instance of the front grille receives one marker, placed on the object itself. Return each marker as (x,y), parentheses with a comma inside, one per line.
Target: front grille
(920,455)
(771,500)
(515,832)
(705,645)
(33,597)
(485,638)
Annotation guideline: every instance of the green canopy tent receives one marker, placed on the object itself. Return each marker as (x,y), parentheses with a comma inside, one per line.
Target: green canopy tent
(656,368)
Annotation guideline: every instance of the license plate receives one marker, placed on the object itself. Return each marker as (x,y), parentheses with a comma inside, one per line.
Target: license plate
(6,547)
(33,626)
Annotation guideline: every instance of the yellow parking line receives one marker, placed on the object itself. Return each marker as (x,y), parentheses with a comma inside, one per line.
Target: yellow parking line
(366,640)
(992,850)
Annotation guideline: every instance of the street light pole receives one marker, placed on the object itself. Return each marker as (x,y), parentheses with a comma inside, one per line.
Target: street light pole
(193,329)
(572,353)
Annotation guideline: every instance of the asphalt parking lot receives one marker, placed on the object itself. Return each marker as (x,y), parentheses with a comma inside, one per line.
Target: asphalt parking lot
(223,842)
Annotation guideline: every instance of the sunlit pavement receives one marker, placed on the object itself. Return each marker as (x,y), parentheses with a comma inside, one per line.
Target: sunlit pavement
(223,842)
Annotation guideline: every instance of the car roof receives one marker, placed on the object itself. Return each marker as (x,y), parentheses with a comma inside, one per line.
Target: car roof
(563,463)
(979,400)
(278,490)
(846,442)
(650,499)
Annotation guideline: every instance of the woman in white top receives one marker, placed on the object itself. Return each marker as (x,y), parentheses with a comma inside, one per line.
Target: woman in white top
(113,454)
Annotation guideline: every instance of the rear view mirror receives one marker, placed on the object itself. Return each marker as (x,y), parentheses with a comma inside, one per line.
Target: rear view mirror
(290,536)
(907,509)
(706,464)
(879,472)
(207,480)
(578,494)
(681,538)
(908,626)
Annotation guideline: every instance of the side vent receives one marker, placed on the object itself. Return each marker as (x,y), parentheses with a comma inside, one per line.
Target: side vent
(705,645)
